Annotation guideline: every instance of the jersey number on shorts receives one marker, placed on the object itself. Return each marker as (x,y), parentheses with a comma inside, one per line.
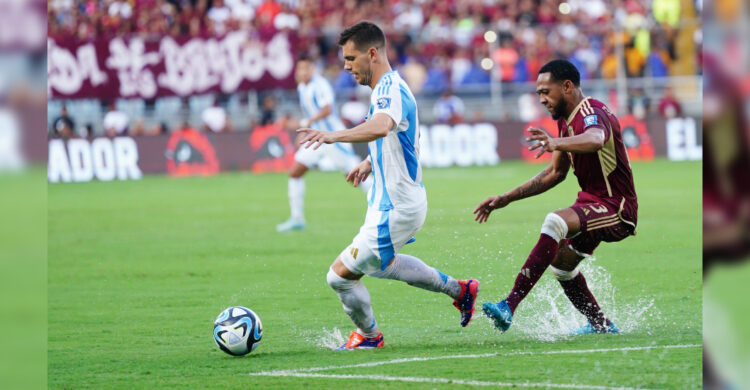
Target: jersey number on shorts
(354,252)
(598,209)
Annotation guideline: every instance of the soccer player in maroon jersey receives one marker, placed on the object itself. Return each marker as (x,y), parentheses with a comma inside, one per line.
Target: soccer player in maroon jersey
(606,207)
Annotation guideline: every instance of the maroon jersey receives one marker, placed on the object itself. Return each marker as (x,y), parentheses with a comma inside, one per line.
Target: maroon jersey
(606,173)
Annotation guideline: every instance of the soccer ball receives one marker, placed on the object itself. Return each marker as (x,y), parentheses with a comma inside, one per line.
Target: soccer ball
(237,330)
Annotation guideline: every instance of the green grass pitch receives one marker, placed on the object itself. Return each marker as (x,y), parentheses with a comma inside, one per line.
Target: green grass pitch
(139,270)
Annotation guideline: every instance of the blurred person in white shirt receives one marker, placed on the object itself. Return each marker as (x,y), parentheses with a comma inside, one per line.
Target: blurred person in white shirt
(115,122)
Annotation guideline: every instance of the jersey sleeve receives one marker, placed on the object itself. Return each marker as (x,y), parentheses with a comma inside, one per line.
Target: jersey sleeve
(386,99)
(598,120)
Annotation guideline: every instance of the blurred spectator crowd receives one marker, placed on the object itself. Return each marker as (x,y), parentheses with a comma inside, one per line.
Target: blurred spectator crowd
(436,44)
(442,48)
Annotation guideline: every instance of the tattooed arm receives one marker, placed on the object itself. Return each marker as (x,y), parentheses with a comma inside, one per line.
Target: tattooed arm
(546,179)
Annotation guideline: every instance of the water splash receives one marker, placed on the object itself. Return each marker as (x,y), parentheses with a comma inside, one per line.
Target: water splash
(330,339)
(547,314)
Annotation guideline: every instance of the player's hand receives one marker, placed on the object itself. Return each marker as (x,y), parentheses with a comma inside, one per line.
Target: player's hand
(545,142)
(312,137)
(359,173)
(482,212)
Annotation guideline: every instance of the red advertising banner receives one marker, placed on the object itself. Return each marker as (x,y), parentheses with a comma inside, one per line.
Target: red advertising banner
(636,138)
(273,149)
(190,152)
(136,68)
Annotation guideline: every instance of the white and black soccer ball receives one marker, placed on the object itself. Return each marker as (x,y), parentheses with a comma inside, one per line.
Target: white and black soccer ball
(237,330)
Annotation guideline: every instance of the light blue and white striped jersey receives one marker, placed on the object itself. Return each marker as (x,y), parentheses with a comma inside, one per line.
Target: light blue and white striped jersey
(395,157)
(315,95)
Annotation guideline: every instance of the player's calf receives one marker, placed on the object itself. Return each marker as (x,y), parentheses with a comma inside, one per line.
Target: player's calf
(554,229)
(576,289)
(415,272)
(356,302)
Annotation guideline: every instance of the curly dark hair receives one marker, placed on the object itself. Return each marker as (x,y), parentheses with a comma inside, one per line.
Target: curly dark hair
(562,70)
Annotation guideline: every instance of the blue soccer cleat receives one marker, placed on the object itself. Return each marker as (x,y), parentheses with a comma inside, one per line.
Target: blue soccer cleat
(589,329)
(499,313)
(465,304)
(289,225)
(411,240)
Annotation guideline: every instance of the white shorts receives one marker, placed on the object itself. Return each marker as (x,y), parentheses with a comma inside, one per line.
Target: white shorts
(381,237)
(341,154)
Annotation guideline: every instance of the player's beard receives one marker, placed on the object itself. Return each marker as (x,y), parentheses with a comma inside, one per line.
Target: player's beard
(559,110)
(366,77)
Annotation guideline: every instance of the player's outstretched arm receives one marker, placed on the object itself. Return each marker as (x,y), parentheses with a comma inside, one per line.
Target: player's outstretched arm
(359,173)
(589,142)
(546,179)
(377,127)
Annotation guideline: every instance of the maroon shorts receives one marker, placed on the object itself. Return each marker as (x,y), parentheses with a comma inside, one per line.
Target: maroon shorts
(599,222)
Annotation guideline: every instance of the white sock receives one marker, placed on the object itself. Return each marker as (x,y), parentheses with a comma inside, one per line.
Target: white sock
(365,185)
(297,198)
(415,272)
(356,301)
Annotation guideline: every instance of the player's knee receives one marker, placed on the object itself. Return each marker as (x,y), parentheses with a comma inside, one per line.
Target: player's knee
(555,227)
(338,282)
(562,275)
(297,170)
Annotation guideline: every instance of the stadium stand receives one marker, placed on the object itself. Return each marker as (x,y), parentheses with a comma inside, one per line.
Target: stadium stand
(437,45)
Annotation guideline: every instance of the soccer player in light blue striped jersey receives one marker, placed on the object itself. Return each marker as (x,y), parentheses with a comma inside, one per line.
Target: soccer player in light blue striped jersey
(397,203)
(319,110)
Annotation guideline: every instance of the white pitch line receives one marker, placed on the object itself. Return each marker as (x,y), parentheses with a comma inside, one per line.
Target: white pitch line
(438,380)
(397,361)
(493,354)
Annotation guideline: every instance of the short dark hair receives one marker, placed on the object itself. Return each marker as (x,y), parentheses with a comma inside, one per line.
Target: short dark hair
(562,70)
(304,57)
(364,34)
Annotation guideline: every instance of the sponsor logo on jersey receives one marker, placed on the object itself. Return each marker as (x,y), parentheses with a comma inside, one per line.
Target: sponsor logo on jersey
(590,120)
(384,102)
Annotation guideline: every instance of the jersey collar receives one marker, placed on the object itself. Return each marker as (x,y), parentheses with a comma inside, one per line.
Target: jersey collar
(575,110)
(383,77)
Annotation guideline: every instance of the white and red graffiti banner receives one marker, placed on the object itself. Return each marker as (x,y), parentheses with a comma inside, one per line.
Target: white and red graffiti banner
(136,68)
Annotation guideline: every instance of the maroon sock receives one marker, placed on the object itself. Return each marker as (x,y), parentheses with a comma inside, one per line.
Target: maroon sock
(579,294)
(539,259)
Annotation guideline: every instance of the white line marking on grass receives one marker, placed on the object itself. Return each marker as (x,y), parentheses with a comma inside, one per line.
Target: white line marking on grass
(493,354)
(437,380)
(310,371)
